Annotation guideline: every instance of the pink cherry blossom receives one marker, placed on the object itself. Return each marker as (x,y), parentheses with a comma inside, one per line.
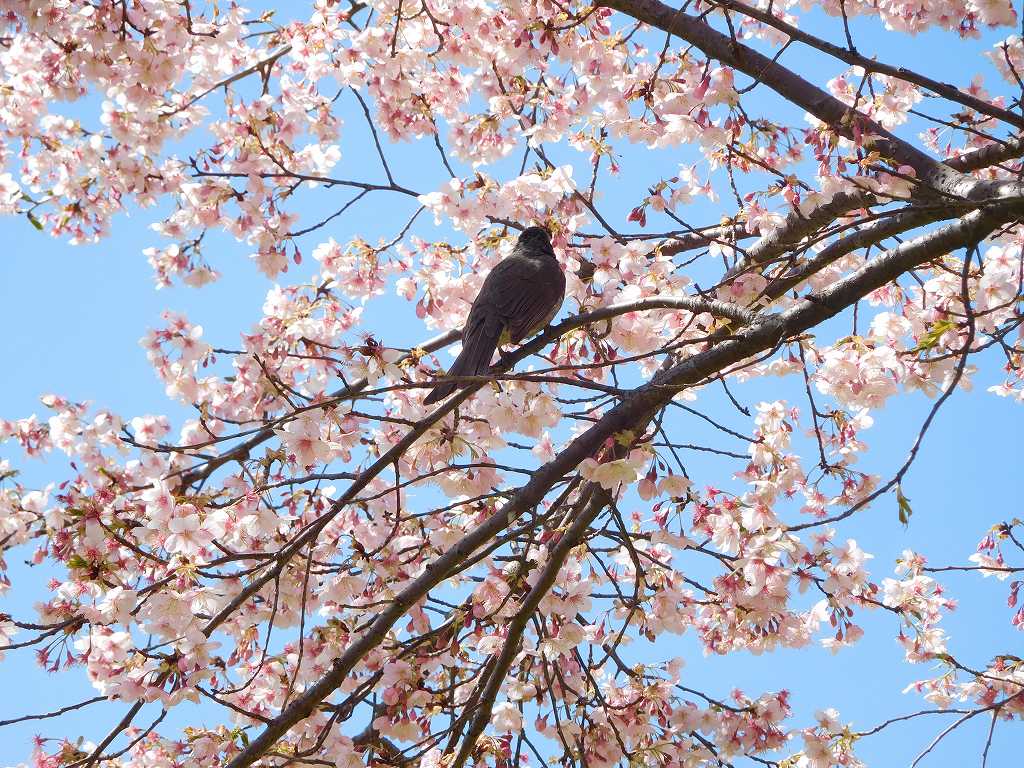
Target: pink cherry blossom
(765,262)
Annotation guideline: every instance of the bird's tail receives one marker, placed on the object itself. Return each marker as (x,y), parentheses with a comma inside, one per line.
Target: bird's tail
(474,359)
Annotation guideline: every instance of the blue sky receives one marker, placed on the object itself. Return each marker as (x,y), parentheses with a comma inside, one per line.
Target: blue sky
(75,315)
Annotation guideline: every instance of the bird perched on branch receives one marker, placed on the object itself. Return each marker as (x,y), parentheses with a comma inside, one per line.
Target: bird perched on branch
(518,298)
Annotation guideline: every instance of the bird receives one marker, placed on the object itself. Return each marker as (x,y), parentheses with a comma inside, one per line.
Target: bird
(519,297)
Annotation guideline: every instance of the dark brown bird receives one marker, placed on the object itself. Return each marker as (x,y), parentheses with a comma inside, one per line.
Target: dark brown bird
(518,298)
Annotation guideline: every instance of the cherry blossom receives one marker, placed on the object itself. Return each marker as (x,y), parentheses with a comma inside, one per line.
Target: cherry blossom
(762,264)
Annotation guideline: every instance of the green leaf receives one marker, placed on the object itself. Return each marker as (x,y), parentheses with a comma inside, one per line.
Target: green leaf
(77,561)
(931,338)
(35,222)
(625,438)
(904,506)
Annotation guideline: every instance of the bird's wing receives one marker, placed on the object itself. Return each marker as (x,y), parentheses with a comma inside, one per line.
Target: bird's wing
(520,295)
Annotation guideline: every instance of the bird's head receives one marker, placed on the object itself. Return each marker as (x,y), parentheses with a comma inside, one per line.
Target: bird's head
(536,237)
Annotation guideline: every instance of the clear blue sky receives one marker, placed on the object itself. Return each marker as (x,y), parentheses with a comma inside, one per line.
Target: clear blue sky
(75,314)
